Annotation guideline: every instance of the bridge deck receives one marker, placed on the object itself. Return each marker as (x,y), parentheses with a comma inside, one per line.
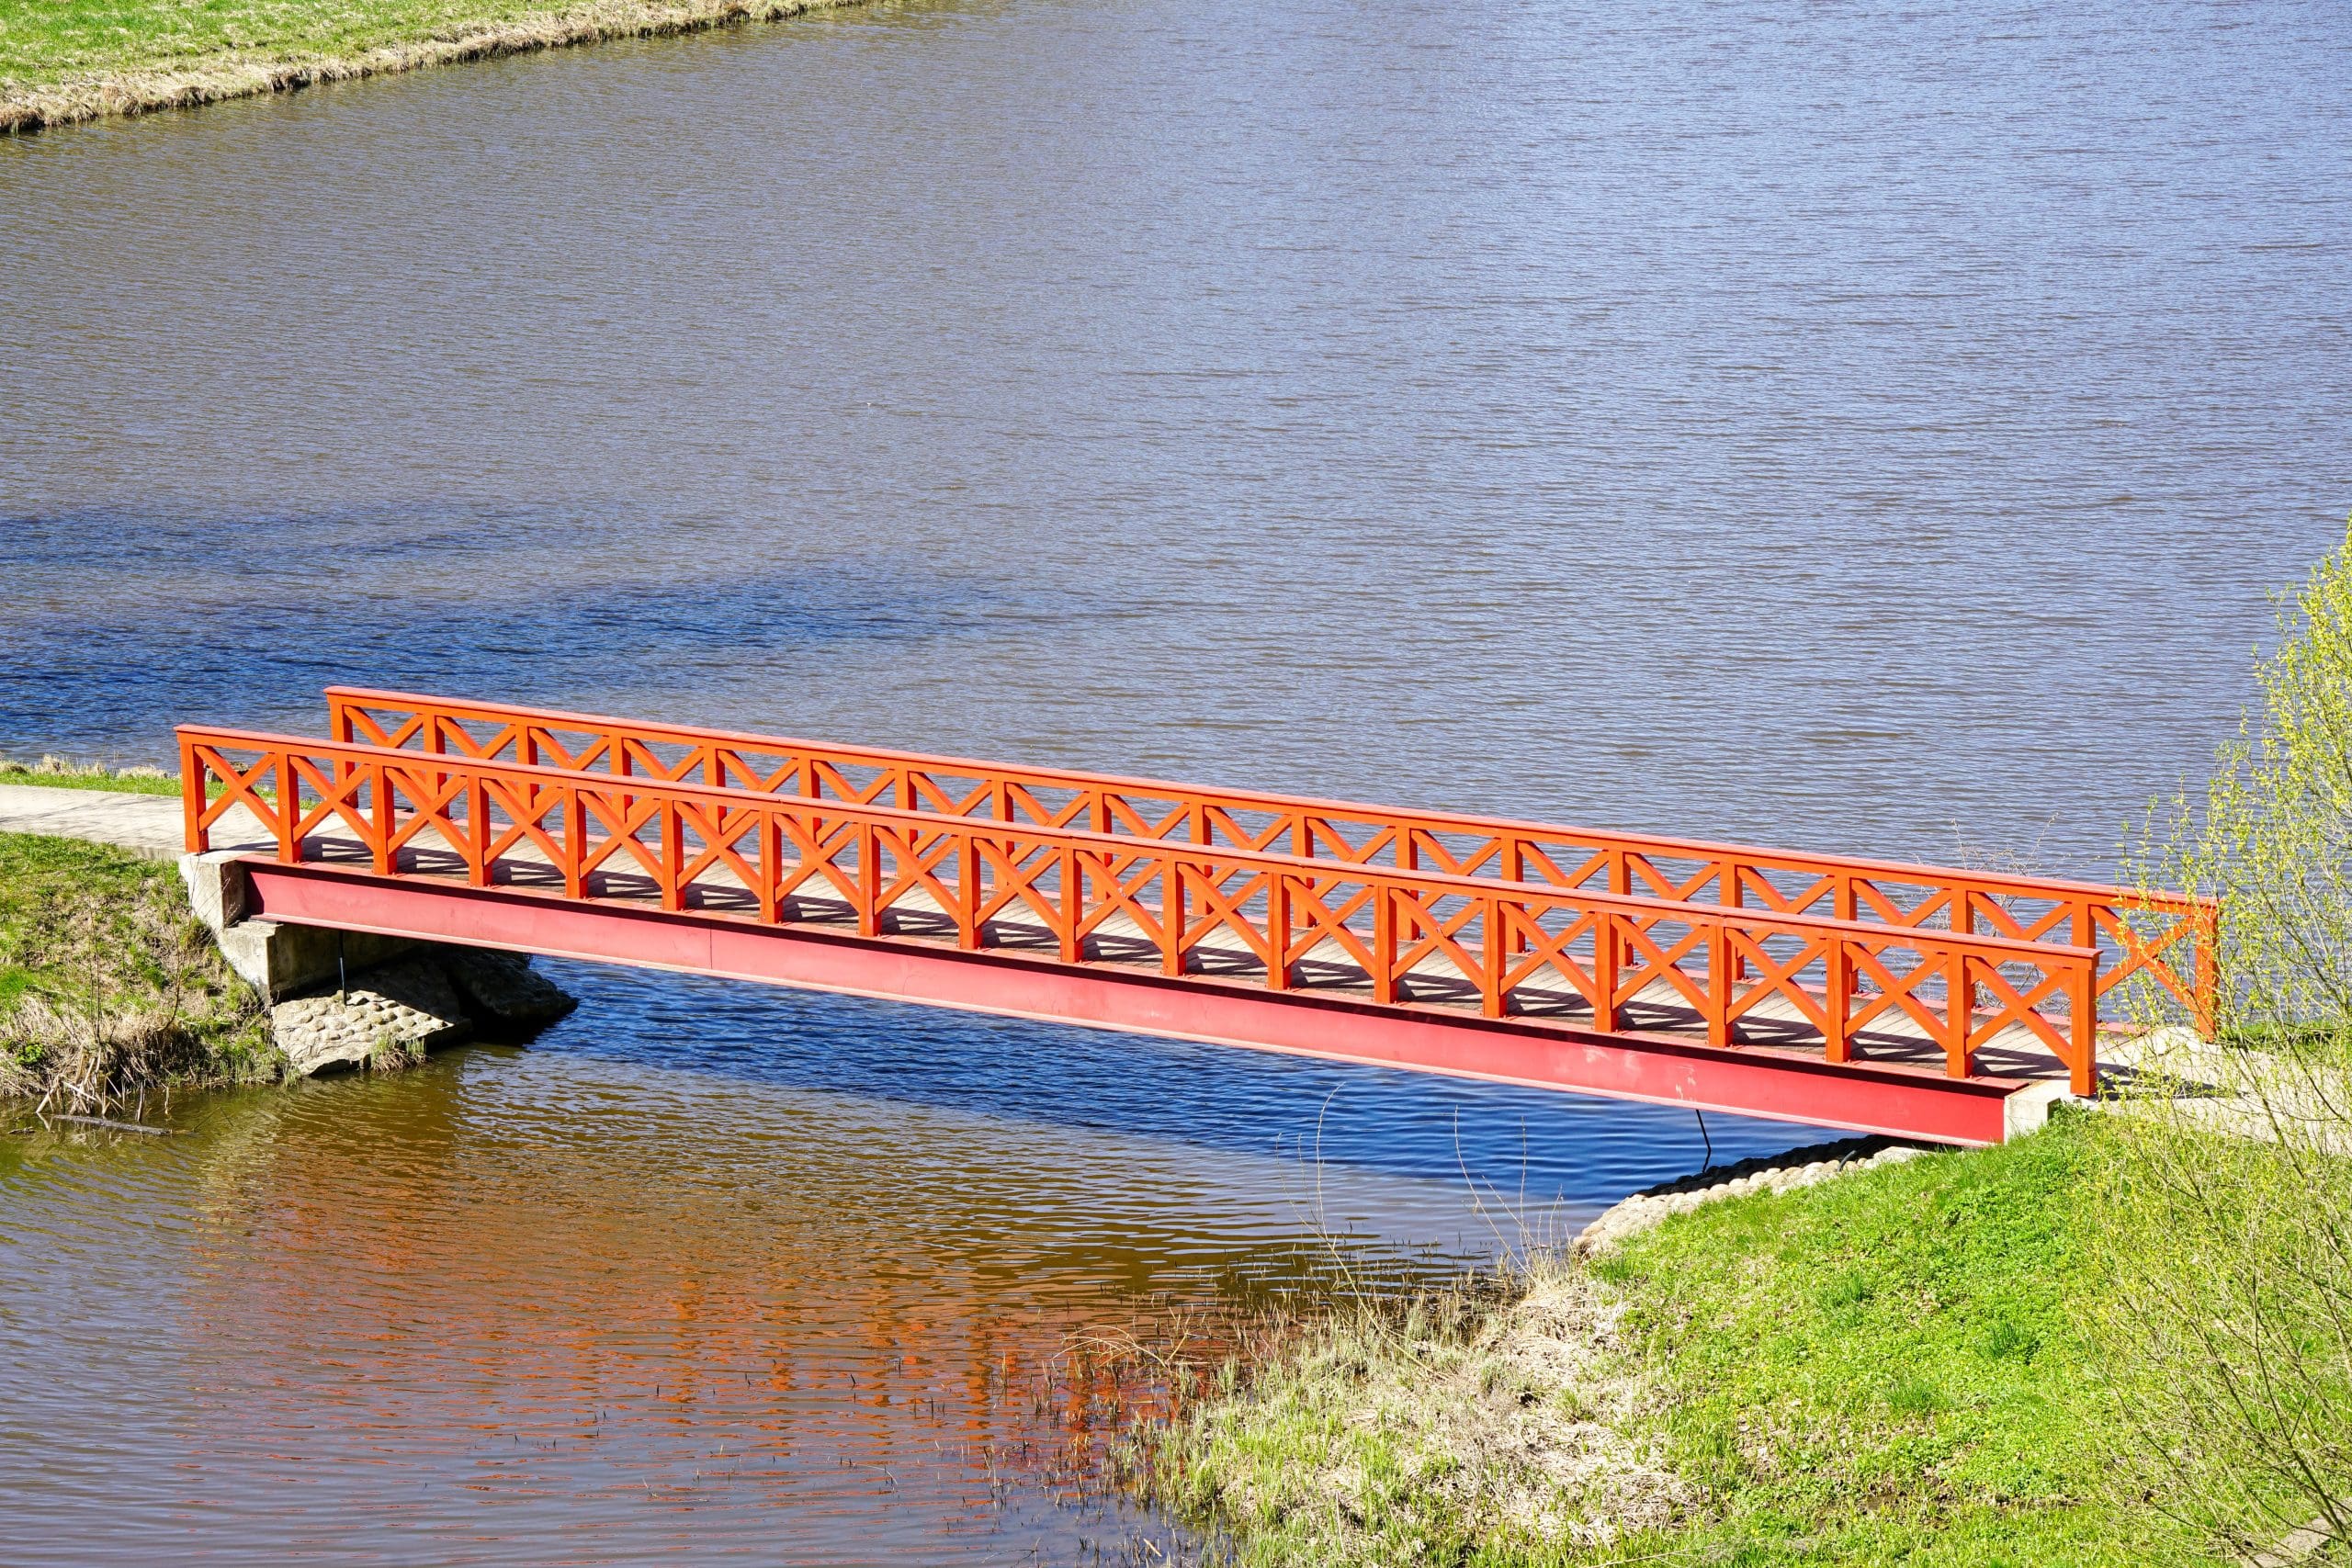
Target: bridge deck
(917,918)
(1892,998)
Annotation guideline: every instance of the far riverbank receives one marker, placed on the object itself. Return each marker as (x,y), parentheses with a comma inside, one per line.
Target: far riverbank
(56,69)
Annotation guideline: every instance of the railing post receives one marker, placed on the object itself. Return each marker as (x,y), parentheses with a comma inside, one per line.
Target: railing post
(2206,988)
(1073,903)
(2084,1007)
(1960,1012)
(1841,981)
(195,789)
(477,828)
(2083,920)
(1383,943)
(771,863)
(1277,930)
(1490,980)
(379,801)
(1837,1002)
(1719,983)
(869,881)
(967,891)
(1172,919)
(281,767)
(674,856)
(1604,970)
(576,843)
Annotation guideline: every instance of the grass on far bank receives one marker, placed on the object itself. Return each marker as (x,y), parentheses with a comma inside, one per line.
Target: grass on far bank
(1889,1368)
(66,60)
(48,41)
(56,772)
(110,984)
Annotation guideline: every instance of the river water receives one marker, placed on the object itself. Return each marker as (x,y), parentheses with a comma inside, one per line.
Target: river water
(1872,432)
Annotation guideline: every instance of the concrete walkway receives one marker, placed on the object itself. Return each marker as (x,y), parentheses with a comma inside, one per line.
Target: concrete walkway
(146,825)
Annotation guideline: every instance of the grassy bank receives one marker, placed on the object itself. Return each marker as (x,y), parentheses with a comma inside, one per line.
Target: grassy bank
(56,772)
(109,986)
(71,60)
(1893,1367)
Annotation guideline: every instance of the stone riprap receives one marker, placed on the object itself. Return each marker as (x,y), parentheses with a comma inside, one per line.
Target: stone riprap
(1772,1173)
(502,992)
(394,1013)
(391,1015)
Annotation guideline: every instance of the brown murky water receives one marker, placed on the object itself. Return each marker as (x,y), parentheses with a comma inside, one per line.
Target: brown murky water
(1871,431)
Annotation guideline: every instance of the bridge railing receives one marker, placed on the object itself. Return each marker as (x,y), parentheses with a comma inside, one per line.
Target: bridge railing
(2164,940)
(1408,937)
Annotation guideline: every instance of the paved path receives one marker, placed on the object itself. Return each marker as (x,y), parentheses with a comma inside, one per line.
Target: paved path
(147,825)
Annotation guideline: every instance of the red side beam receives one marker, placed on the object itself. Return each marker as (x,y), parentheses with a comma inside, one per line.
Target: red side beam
(1749,1081)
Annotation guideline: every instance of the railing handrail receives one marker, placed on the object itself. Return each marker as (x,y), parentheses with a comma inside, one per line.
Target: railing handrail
(1131,845)
(1913,873)
(1406,905)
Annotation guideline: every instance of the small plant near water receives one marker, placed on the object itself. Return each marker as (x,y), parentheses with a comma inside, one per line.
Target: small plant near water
(109,986)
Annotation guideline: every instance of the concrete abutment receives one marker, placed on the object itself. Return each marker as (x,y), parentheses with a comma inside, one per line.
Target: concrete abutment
(355,999)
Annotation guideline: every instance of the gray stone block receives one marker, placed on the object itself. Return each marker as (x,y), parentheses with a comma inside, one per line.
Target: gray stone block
(502,991)
(277,960)
(390,1016)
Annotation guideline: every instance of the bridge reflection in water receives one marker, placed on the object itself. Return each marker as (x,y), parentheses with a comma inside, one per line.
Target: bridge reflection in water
(1910,999)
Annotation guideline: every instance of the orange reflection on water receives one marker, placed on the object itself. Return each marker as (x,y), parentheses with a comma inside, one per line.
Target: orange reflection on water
(656,1305)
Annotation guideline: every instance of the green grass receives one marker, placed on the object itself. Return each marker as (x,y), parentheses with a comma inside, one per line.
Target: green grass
(44,41)
(108,982)
(74,776)
(1891,1368)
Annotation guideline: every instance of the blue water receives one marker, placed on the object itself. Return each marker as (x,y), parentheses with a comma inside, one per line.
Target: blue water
(1863,431)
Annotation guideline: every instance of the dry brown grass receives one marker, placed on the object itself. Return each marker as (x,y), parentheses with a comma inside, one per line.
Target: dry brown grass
(1492,1418)
(109,984)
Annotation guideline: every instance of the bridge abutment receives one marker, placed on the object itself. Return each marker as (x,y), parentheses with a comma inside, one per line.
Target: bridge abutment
(359,998)
(278,959)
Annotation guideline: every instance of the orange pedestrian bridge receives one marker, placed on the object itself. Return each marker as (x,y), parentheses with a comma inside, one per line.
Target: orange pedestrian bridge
(1927,1002)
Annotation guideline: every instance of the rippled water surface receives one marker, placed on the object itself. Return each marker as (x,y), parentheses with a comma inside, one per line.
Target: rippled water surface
(1865,431)
(717,1271)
